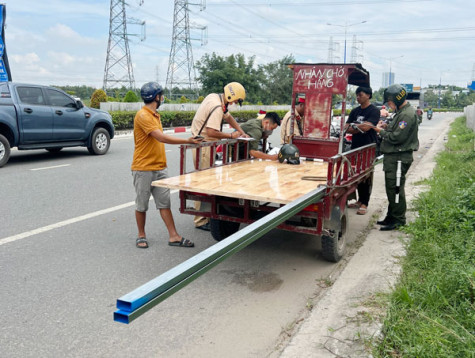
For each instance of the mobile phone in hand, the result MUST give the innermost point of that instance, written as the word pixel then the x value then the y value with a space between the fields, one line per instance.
pixel 198 137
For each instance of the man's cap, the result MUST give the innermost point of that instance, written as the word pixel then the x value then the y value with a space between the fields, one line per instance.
pixel 261 114
pixel 301 100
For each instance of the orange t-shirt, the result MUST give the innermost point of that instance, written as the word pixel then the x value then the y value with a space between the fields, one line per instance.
pixel 149 153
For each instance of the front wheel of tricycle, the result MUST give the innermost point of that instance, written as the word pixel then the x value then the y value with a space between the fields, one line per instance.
pixel 221 229
pixel 334 245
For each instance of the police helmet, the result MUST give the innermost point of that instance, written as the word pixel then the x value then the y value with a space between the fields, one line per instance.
pixel 289 152
pixel 395 93
pixel 234 91
pixel 149 91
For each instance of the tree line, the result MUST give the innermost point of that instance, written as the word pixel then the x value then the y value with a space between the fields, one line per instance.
pixel 268 84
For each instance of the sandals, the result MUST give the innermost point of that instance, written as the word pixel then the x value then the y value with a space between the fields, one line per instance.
pixel 362 211
pixel 141 242
pixel 183 243
pixel 354 205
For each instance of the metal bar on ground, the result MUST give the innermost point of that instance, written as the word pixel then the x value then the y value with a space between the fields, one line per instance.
pixel 142 299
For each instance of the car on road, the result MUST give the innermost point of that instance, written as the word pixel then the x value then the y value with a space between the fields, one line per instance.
pixel 42 117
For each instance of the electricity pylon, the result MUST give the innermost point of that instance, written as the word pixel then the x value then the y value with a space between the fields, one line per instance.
pixel 118 70
pixel 181 70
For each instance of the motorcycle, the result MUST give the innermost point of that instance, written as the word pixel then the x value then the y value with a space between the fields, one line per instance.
pixel 429 115
pixel 335 133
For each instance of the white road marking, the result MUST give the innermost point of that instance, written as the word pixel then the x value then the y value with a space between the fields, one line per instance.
pixel 53 167
pixel 60 224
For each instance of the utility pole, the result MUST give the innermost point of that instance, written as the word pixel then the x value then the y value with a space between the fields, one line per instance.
pixel 118 70
pixel 181 69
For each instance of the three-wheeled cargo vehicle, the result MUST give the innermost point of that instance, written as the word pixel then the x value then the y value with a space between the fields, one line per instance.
pixel 241 191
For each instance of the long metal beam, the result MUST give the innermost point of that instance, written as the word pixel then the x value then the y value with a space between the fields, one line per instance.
pixel 140 300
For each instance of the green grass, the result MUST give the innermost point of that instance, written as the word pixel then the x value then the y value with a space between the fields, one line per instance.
pixel 432 309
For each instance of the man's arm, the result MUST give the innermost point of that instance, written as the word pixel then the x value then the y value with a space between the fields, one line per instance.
pixel 164 138
pixel 261 155
pixel 214 133
pixel 232 122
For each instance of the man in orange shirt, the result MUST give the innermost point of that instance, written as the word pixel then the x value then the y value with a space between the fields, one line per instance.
pixel 150 163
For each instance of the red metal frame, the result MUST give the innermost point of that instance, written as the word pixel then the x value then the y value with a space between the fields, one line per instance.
pixel 317 82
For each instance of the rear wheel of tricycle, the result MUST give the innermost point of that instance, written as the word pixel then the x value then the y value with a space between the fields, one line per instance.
pixel 334 245
pixel 221 229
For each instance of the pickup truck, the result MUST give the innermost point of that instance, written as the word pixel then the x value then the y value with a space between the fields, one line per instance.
pixel 41 117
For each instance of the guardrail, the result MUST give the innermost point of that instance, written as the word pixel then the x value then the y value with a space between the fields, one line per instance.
pixel 142 299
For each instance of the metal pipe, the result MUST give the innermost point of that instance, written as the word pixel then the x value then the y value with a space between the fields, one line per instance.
pixel 140 300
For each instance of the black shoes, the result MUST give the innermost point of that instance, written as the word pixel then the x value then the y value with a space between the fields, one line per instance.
pixel 204 227
pixel 390 226
pixel 385 221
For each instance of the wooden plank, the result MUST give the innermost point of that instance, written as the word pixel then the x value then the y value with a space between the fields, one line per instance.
pixel 254 180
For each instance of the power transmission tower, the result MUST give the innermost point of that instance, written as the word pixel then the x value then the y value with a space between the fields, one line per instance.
pixel 356 48
pixel 181 70
pixel 118 70
pixel 333 48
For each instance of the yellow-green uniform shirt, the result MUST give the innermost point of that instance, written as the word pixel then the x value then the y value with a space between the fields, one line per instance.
pixel 253 127
pixel 149 153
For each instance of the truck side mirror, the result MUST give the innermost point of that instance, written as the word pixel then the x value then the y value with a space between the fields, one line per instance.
pixel 79 104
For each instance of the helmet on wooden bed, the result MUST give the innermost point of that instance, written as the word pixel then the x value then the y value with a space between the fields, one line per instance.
pixel 290 153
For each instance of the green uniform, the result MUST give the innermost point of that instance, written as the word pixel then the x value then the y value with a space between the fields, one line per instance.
pixel 253 128
pixel 399 140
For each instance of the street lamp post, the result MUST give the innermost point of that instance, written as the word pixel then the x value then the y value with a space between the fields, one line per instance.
pixel 346 25
pixel 440 86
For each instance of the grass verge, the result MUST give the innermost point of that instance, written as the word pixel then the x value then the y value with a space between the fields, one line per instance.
pixel 432 309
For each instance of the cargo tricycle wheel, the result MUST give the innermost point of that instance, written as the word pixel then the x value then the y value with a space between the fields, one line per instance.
pixel 334 244
pixel 221 229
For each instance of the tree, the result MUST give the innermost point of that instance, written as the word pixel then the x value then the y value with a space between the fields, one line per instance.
pixel 131 96
pixel 277 81
pixel 431 98
pixel 217 71
pixel 97 97
pixel 448 100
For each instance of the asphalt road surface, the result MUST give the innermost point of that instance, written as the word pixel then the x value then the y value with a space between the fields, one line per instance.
pixel 67 252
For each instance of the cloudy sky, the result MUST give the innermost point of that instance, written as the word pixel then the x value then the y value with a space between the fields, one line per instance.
pixel 423 41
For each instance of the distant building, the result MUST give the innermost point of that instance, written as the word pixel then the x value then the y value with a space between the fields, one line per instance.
pixel 388 78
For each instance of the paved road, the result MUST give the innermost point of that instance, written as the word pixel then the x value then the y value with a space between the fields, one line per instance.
pixel 67 253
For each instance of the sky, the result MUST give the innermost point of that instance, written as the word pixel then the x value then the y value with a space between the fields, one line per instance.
pixel 423 42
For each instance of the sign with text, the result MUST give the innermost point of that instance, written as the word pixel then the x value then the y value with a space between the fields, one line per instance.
pixel 5 74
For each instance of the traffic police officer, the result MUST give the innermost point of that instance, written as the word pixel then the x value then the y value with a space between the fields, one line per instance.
pixel 399 140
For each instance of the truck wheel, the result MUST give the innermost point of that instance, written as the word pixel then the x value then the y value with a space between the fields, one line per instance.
pixel 334 245
pixel 100 142
pixel 221 229
pixel 4 150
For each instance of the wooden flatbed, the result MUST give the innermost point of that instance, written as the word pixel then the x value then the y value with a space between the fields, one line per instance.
pixel 261 180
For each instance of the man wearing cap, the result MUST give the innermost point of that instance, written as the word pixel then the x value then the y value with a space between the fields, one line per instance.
pixel 208 123
pixel 259 128
pixel 361 136
pixel 285 136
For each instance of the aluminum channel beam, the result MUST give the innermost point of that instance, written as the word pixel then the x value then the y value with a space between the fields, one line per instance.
pixel 140 300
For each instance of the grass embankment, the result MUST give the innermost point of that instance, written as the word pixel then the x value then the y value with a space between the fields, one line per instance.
pixel 432 310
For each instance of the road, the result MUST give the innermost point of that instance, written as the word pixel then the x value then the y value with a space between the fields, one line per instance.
pixel 67 252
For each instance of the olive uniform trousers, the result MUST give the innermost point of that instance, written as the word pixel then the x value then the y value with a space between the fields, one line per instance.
pixel 396 211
